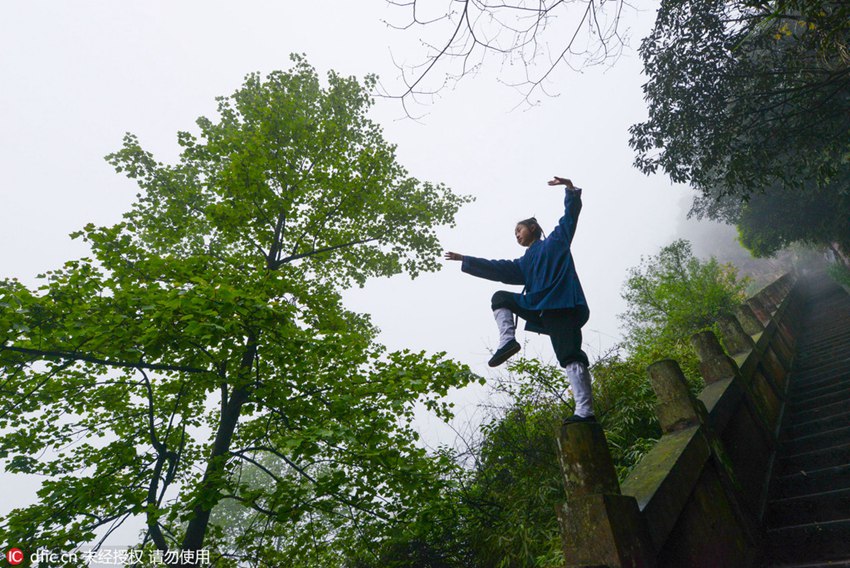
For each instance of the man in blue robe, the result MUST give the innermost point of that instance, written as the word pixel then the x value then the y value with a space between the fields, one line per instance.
pixel 552 303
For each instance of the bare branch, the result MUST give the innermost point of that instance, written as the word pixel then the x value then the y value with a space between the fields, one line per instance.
pixel 514 31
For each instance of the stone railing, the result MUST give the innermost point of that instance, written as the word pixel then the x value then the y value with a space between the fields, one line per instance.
pixel 698 496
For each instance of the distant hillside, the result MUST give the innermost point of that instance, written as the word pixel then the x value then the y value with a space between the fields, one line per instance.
pixel 710 238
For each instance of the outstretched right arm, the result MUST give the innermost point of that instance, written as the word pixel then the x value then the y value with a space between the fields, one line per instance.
pixel 506 271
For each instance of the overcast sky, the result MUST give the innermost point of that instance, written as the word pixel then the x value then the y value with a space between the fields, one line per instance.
pixel 76 76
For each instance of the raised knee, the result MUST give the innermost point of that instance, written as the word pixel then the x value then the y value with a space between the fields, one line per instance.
pixel 500 299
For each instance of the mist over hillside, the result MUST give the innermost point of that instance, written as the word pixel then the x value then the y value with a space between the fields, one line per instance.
pixel 710 238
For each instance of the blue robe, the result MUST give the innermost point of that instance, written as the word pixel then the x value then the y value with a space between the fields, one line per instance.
pixel 546 269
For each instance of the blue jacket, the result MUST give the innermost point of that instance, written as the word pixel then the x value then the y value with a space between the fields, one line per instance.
pixel 546 269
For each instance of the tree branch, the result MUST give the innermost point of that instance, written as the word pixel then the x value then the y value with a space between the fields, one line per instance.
pixel 342 498
pixel 314 252
pixel 74 356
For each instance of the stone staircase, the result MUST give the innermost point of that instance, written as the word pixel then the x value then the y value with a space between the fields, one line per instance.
pixel 720 488
pixel 808 516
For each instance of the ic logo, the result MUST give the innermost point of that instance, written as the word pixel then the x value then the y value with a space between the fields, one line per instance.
pixel 15 556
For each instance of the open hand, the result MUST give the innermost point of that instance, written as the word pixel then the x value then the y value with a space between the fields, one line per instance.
pixel 453 256
pixel 561 181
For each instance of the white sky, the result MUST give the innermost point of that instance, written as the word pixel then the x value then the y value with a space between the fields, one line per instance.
pixel 74 76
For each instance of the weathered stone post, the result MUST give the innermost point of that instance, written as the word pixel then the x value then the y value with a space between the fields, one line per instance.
pixel 759 309
pixel 775 365
pixel 599 525
pixel 747 430
pixel 678 409
pixel 775 294
pixel 762 380
pixel 748 320
pixel 715 365
pixel 735 339
pixel 752 325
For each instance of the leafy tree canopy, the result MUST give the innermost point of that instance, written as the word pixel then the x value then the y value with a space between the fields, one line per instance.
pixel 774 220
pixel 673 295
pixel 749 102
pixel 746 94
pixel 205 334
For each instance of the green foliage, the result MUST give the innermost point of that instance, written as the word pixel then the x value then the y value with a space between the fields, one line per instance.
pixel 670 296
pixel 749 104
pixel 205 336
pixel 776 219
pixel 516 489
pixel 745 94
pixel 515 483
pixel 673 295
pixel 840 274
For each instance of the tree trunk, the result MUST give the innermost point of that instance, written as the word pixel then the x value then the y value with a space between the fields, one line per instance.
pixel 209 492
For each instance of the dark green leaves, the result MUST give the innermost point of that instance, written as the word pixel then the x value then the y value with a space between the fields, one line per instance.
pixel 749 103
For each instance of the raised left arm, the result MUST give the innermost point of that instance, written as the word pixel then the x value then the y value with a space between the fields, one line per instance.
pixel 572 207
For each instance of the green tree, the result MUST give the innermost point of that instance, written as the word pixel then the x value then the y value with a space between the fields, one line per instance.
pixel 669 297
pixel 776 219
pixel 745 94
pixel 515 483
pixel 749 102
pixel 673 295
pixel 206 333
pixel 773 220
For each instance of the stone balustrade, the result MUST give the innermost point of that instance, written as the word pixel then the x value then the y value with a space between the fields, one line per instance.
pixel 698 496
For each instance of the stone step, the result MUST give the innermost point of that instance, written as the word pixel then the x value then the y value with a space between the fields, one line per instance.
pixel 824 369
pixel 817 440
pixel 823 372
pixel 826 312
pixel 814 426
pixel 817 345
pixel 835 369
pixel 807 392
pixel 816 321
pixel 812 481
pixel 807 509
pixel 816 459
pixel 804 391
pixel 827 564
pixel 804 381
pixel 815 328
pixel 825 349
pixel 812 543
pixel 815 336
pixel 798 403
pixel 825 411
